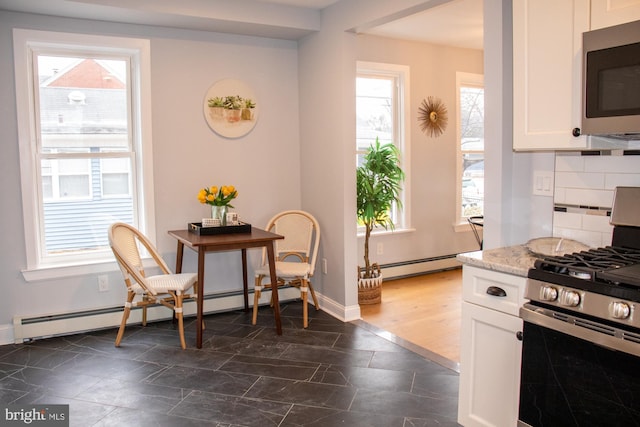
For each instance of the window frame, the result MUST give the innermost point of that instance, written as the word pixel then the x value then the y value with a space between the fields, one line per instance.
pixel 26 43
pixel 401 130
pixel 463 80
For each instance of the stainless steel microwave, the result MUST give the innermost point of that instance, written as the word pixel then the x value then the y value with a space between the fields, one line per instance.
pixel 611 81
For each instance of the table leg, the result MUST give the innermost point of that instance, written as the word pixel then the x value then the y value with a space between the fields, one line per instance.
pixel 179 254
pixel 245 281
pixel 274 286
pixel 200 303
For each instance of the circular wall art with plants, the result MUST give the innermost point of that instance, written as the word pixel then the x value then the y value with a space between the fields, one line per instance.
pixel 230 108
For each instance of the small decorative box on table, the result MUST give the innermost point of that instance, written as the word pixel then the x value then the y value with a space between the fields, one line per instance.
pixel 197 228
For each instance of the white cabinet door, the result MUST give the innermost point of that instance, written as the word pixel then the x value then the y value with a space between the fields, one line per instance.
pixel 490 357
pixel 606 13
pixel 547 73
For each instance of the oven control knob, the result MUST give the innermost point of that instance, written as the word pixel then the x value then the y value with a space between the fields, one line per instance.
pixel 548 293
pixel 569 298
pixel 619 310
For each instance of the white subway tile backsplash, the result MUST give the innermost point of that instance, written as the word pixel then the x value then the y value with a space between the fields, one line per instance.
pixel 620 164
pixel 599 223
pixel 567 220
pixel 613 180
pixel 588 197
pixel 579 180
pixel 559 195
pixel 590 238
pixel 589 181
pixel 569 162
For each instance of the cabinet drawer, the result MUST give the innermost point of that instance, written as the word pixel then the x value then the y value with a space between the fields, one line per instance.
pixel 491 289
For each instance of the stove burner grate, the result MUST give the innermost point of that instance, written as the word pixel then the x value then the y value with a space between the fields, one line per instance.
pixel 586 265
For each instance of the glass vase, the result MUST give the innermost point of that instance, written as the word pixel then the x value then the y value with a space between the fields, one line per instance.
pixel 220 212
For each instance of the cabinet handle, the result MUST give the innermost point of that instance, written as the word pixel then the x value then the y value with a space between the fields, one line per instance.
pixel 496 291
pixel 519 335
pixel 576 132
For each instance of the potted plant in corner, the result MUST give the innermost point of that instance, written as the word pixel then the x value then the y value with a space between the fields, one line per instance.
pixel 379 182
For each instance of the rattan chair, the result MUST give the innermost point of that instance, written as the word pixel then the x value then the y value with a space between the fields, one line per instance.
pixel 165 288
pixel 295 257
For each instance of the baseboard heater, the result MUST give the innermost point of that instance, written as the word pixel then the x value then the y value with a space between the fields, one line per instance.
pixel 27 328
pixel 401 270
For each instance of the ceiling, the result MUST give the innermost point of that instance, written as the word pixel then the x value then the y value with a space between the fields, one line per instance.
pixel 456 23
pixel 453 23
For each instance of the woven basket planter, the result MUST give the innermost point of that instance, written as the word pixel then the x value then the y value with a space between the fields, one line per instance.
pixel 370 290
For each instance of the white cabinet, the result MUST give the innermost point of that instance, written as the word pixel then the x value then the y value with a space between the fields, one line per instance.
pixel 606 13
pixel 490 353
pixel 547 73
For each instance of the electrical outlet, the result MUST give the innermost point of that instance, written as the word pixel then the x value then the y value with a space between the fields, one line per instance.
pixel 380 248
pixel 324 266
pixel 103 283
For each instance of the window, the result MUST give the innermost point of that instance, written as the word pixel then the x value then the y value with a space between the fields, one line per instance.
pixel 382 106
pixel 84 135
pixel 471 145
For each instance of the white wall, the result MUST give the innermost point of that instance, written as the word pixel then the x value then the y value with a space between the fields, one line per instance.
pixel 327 128
pixel 263 165
pixel 512 214
pixel 307 128
pixel 433 160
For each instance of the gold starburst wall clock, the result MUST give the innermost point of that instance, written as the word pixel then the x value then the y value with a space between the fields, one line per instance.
pixel 432 116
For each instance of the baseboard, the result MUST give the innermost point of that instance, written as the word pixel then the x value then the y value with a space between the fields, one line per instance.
pixel 6 334
pixel 45 325
pixel 337 310
pixel 401 270
pixel 26 328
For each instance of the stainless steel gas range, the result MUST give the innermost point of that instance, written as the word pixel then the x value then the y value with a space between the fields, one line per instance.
pixel 581 334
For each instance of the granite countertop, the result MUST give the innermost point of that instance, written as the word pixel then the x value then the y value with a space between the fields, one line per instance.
pixel 511 259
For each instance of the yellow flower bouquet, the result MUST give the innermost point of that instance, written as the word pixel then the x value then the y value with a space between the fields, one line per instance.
pixel 215 196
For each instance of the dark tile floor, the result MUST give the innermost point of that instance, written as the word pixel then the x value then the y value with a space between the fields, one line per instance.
pixel 332 374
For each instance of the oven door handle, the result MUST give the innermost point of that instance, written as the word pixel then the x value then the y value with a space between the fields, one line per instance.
pixel 537 316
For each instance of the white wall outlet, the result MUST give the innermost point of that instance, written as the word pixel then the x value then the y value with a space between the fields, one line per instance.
pixel 324 266
pixel 103 283
pixel 543 183
pixel 380 248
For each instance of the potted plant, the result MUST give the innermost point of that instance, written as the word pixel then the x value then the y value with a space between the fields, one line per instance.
pixel 216 107
pixel 220 200
pixel 249 105
pixel 379 182
pixel 233 108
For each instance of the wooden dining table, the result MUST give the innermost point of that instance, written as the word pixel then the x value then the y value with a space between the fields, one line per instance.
pixel 256 238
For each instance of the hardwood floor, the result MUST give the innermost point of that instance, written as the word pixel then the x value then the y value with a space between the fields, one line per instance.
pixel 424 310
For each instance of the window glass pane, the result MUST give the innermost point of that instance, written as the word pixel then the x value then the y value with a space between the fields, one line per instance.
pixel 379 92
pixel 47 189
pixel 72 166
pixel 114 184
pixel 74 186
pixel 472 116
pixel 83 104
pixel 115 176
pixel 374 110
pixel 472 150
pixel 82 99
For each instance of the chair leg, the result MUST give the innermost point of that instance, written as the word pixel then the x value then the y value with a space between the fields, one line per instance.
pixel 125 316
pixel 256 298
pixel 178 313
pixel 305 306
pixel 144 311
pixel 313 295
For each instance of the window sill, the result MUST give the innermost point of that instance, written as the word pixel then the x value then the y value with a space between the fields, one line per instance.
pixel 61 271
pixel 388 232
